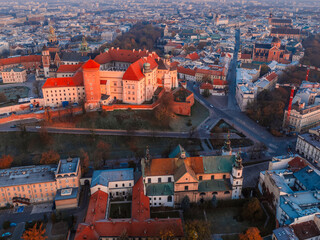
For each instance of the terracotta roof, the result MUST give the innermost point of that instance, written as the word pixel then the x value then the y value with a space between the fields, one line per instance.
pixel 174 64
pixel 109 228
pixel 97 207
pixel 246 56
pixel 140 202
pixel 121 55
pixel 193 56
pixel 75 81
pixel 206 86
pixel 135 70
pixel 186 71
pixel 21 59
pixel 69 68
pixel 91 64
pixel 210 72
pixel 270 77
pixel 296 164
pixel 306 230
pixel 219 82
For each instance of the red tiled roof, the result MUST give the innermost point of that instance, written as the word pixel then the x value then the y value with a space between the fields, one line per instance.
pixel 296 164
pixel 75 81
pixel 186 71
pixel 69 68
pixel 140 225
pixel 91 64
pixel 193 56
pixel 210 72
pixel 174 64
pixel 21 59
pixel 270 77
pixel 206 86
pixel 219 82
pixel 140 202
pixel 121 55
pixel 134 71
pixel 97 207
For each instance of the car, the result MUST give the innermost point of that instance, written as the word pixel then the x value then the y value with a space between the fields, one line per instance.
pixel 38 127
pixel 211 105
pixel 13 224
pixel 13 126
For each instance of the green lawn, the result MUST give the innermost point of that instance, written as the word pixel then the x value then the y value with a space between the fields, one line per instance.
pixel 13 94
pixel 120 210
pixel 27 148
pixel 138 119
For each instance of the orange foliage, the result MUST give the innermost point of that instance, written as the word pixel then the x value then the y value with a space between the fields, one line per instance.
pixel 252 233
pixel 5 161
pixel 50 157
pixel 34 233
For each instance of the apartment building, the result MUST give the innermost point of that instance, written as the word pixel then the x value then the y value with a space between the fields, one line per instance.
pixel 35 184
pixel 14 75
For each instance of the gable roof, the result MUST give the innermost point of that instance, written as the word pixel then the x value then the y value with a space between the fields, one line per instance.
pixel 97 207
pixel 218 164
pixel 160 189
pixel 74 81
pixel 104 177
pixel 67 68
pixel 140 202
pixel 20 60
pixel 193 56
pixel 91 64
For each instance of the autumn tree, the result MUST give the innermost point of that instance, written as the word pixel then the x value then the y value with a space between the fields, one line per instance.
pixel 197 230
pixel 167 234
pixel 35 233
pixel 252 210
pixel 101 153
pixel 5 161
pixel 164 111
pixel 85 161
pixel 50 157
pixel 252 233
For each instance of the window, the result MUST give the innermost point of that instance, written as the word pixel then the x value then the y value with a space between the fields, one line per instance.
pixel 149 180
pixel 226 192
pixel 129 184
pixel 224 176
pixel 238 173
pixel 186 188
pixel 159 180
pixel 116 185
pixel 212 177
pixel 159 198
pixel 200 177
pixel 122 184
pixel 169 179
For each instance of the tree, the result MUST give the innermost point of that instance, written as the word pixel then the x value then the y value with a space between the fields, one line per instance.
pixel 35 233
pixel 5 161
pixel 197 230
pixel 252 233
pixel 185 203
pixel 37 88
pixel 252 210
pixel 50 157
pixel 85 161
pixel 101 154
pixel 206 93
pixel 264 70
pixel 164 111
pixel 3 98
pixel 167 234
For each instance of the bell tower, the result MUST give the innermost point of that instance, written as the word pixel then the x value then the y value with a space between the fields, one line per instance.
pixel 45 61
pixel 226 149
pixel 237 177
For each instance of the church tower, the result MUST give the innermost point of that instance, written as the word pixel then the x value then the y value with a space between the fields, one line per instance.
pixel 84 46
pixel 45 61
pixel 236 177
pixel 226 149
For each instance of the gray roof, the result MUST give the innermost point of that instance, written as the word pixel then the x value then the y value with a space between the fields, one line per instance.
pixel 73 57
pixel 61 196
pixel 27 175
pixel 103 177
pixel 68 165
pixel 284 233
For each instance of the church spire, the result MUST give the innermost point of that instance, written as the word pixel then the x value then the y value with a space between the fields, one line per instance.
pixel 238 163
pixel 226 149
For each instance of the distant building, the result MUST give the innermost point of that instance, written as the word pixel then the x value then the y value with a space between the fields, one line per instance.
pixel 36 184
pixel 291 33
pixel 264 52
pixel 14 75
pixel 279 22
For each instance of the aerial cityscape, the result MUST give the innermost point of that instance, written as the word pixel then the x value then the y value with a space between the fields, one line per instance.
pixel 160 120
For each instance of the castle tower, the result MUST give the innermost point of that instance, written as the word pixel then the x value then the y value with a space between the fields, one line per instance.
pixel 226 149
pixel 236 177
pixel 45 61
pixel 91 82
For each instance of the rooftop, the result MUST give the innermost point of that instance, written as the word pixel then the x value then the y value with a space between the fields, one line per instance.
pixel 66 193
pixel 69 165
pixel 103 177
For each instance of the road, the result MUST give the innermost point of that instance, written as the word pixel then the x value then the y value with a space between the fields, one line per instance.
pixel 233 115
